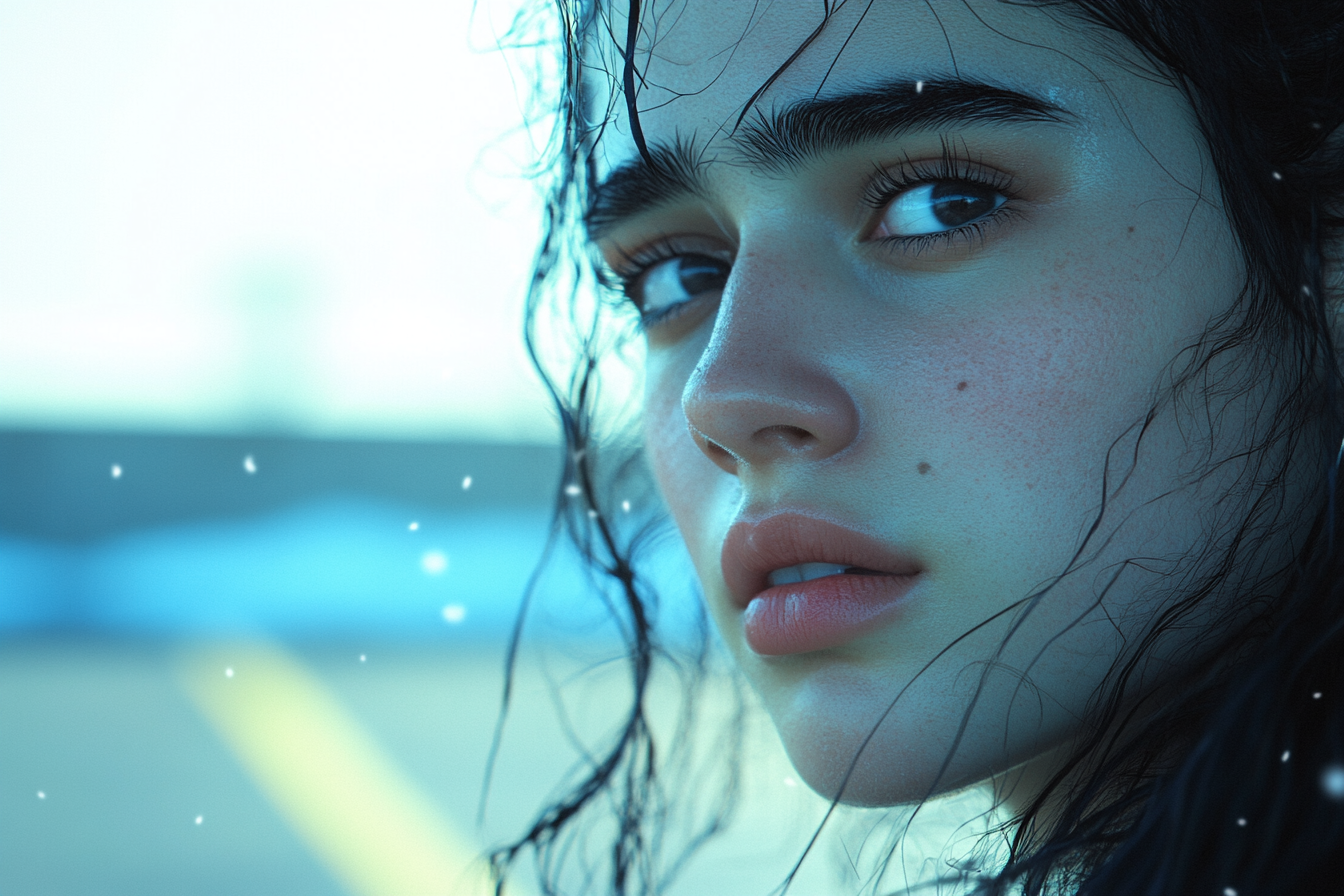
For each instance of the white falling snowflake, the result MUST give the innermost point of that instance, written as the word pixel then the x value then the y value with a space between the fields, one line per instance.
pixel 116 471
pixel 228 673
pixel 454 613
pixel 200 818
pixel 363 658
pixel 625 505
pixel 1332 781
pixel 1284 757
pixel 250 464
pixel 413 526
pixel 434 562
pixel 41 794
pixel 573 490
pixel 1241 822
pixel 466 483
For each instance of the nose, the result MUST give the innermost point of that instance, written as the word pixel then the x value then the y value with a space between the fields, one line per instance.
pixel 766 389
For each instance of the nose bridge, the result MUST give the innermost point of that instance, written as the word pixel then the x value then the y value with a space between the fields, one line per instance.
pixel 765 388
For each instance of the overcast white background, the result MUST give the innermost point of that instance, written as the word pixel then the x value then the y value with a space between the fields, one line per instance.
pixel 282 216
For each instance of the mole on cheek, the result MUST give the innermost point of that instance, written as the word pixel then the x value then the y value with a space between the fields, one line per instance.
pixel 923 468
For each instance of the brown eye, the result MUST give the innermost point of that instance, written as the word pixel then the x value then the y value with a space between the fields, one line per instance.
pixel 936 207
pixel 677 281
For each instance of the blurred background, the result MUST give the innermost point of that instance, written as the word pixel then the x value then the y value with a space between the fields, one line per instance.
pixel 274 469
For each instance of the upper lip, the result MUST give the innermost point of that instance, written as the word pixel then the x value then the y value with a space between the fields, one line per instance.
pixel 754 549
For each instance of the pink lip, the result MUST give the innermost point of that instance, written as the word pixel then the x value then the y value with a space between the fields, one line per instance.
pixel 820 613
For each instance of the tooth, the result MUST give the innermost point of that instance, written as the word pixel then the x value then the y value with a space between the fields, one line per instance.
pixel 804 572
pixel 818 570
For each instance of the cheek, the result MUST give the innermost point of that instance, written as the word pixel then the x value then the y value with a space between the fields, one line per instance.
pixel 1035 391
pixel 1051 383
pixel 666 437
pixel 1017 398
pixel 689 482
pixel 1072 359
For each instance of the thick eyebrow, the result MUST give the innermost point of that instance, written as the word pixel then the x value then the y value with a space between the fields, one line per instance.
pixel 802 132
pixel 669 173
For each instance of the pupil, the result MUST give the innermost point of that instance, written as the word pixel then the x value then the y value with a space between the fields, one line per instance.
pixel 957 204
pixel 700 274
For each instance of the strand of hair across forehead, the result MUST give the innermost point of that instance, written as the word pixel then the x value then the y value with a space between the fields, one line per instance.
pixel 827 12
pixel 628 82
pixel 849 37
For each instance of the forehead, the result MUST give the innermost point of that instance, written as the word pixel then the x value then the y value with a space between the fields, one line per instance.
pixel 699 63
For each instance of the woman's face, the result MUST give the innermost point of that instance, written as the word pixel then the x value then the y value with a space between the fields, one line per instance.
pixel 896 320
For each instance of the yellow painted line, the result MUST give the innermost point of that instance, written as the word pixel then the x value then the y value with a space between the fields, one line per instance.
pixel 342 795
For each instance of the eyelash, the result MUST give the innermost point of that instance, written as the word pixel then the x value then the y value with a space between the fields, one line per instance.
pixel 886 184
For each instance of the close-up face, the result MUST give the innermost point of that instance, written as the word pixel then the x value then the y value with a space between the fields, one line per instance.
pixel 896 318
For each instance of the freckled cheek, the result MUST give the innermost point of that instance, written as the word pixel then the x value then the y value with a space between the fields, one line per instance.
pixel 1032 401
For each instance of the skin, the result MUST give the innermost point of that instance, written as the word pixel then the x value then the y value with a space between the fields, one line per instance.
pixel 957 401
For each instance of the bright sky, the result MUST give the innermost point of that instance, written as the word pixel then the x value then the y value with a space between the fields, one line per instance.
pixel 278 215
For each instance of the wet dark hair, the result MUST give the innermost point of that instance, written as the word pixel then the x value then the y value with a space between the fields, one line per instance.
pixel 1242 804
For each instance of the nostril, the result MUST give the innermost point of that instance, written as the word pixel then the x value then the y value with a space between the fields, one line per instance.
pixel 718 453
pixel 725 459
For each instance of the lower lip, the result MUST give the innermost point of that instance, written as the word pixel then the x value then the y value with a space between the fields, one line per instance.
pixel 804 616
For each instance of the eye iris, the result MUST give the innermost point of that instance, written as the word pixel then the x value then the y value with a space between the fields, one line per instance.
pixel 958 204
pixel 700 274
pixel 675 282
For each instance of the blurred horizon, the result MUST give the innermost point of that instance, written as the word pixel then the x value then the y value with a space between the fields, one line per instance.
pixel 188 535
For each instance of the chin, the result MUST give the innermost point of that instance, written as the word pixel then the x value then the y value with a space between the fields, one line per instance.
pixel 898 765
pixel 884 775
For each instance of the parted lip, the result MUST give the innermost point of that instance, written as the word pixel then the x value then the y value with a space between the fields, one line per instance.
pixel 754 549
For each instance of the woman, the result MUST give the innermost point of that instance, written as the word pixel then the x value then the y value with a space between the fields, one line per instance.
pixel 991 381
